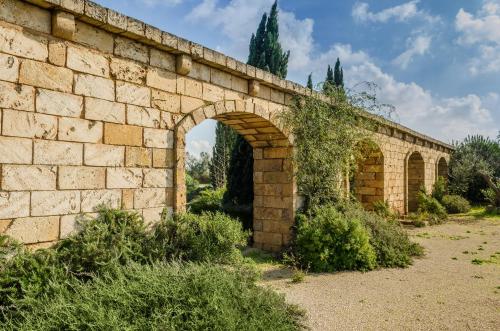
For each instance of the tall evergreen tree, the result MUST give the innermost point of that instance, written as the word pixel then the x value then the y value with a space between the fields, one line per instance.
pixel 276 58
pixel 225 138
pixel 329 81
pixel 310 82
pixel 257 55
pixel 338 74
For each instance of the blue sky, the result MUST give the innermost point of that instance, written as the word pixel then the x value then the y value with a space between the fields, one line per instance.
pixel 437 62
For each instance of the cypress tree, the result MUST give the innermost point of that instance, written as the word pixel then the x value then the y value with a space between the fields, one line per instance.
pixel 225 138
pixel 338 75
pixel 276 58
pixel 310 82
pixel 329 81
pixel 257 55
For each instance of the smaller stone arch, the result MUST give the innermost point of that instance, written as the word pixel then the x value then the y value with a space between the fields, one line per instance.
pixel 442 168
pixel 414 179
pixel 368 184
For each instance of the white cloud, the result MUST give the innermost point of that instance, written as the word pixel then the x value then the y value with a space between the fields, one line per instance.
pixel 416 107
pixel 196 147
pixel 152 3
pixel 482 31
pixel 416 46
pixel 400 13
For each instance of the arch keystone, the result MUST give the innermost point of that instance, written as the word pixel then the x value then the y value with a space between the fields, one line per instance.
pixel 184 64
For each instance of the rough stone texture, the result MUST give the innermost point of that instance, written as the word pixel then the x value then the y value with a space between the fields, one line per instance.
pixel 102 119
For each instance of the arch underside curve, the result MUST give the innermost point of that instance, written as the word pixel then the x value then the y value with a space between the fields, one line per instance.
pixel 274 184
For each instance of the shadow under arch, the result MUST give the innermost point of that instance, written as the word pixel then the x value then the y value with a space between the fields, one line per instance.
pixel 368 184
pixel 442 168
pixel 414 179
pixel 274 183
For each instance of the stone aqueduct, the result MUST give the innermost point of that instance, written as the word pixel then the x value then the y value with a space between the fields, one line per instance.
pixel 94 109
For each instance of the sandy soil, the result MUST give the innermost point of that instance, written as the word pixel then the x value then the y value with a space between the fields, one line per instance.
pixel 442 291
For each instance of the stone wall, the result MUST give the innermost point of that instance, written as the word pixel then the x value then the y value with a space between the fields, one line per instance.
pixel 94 108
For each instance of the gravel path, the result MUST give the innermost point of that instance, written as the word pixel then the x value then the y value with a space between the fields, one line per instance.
pixel 441 291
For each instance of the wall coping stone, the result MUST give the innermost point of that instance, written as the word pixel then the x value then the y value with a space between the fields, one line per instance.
pixel 117 23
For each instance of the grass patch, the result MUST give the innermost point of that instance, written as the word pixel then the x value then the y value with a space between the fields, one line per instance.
pixel 479 212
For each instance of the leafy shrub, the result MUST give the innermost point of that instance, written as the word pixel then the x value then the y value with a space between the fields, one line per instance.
pixel 211 237
pixel 328 241
pixel 439 189
pixel 161 297
pixel 383 209
pixel 208 200
pixel 390 241
pixel 455 204
pixel 428 204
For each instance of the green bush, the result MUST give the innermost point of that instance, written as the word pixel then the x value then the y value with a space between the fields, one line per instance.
pixel 455 204
pixel 428 204
pixel 383 209
pixel 390 241
pixel 439 189
pixel 207 201
pixel 213 237
pixel 328 241
pixel 161 297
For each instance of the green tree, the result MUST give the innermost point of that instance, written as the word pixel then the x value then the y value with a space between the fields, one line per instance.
pixel 225 138
pixel 338 75
pixel 257 55
pixel 330 80
pixel 199 167
pixel 276 58
pixel 310 82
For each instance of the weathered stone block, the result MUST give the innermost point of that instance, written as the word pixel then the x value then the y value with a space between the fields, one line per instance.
pixel 132 50
pixel 146 117
pixel 133 94
pixel 58 103
pixel 138 157
pixel 70 224
pixel 93 86
pixel 184 64
pixel 15 96
pixel 268 165
pixel 87 61
pixel 158 138
pixel 212 93
pixel 46 75
pixel 162 79
pixel 91 200
pixel 158 178
pixel 127 199
pixel 93 37
pixel 48 203
pixel 104 155
pixel 163 158
pixel 31 230
pixel 188 104
pixel 152 215
pixel 16 150
pixel 103 110
pixel 149 198
pixel 162 60
pixel 75 129
pixel 81 178
pixel 9 68
pixel 166 101
pixel 128 70
pixel 29 125
pixel 17 42
pixel 63 25
pixel 116 134
pixel 253 88
pixel 14 204
pixel 57 153
pixel 124 178
pixel 28 177
pixel 26 15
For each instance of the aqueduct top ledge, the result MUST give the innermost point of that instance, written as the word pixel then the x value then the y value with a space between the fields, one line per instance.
pixel 117 23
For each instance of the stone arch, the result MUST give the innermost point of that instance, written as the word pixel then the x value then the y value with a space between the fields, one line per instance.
pixel 274 184
pixel 368 184
pixel 414 179
pixel 442 168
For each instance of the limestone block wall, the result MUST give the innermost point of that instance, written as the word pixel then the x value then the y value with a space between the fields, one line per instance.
pixel 94 108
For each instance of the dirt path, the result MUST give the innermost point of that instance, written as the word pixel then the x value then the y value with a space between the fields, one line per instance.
pixel 442 291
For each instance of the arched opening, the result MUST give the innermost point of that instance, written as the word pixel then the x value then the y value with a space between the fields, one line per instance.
pixel 442 169
pixel 274 186
pixel 368 183
pixel 415 179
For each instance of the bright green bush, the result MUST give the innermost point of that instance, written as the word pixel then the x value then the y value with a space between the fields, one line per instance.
pixel 161 297
pixel 428 204
pixel 455 204
pixel 439 189
pixel 328 241
pixel 383 209
pixel 207 201
pixel 390 241
pixel 213 237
